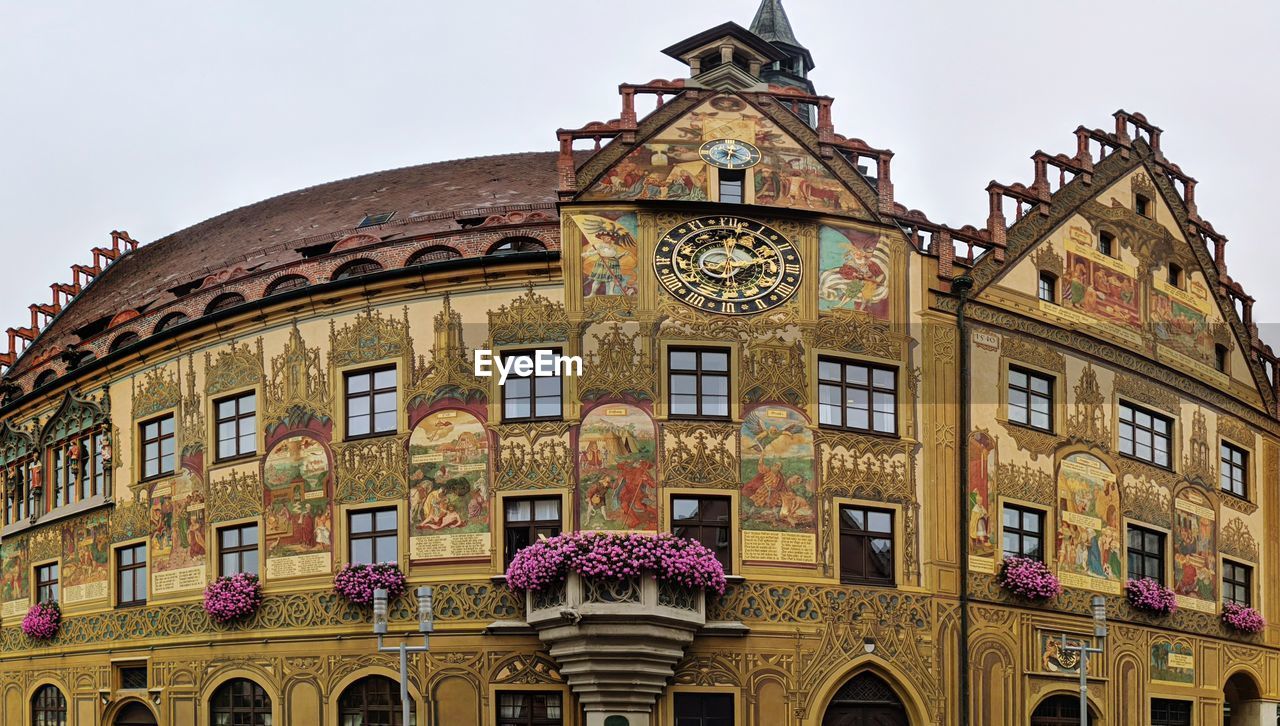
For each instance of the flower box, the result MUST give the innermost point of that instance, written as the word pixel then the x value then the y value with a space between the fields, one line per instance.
pixel 356 583
pixel 1237 617
pixel 1029 579
pixel 230 598
pixel 1150 596
pixel 42 621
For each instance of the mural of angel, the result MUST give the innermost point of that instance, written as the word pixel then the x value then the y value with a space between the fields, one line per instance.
pixel 608 254
pixel 777 468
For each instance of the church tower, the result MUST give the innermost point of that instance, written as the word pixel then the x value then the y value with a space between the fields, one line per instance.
pixel 771 24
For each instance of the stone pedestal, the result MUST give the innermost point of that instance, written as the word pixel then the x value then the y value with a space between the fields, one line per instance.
pixel 616 642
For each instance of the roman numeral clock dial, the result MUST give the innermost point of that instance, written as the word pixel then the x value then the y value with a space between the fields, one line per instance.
pixel 728 265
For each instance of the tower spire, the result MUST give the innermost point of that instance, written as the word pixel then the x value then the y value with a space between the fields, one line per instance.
pixel 772 24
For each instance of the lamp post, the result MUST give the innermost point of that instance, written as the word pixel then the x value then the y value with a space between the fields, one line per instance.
pixel 426 625
pixel 1085 650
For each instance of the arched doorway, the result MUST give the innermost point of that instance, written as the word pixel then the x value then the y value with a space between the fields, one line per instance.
pixel 370 701
pixel 240 702
pixel 135 714
pixel 1239 697
pixel 1059 711
pixel 866 700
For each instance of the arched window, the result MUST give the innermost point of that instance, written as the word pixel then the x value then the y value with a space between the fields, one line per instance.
pixel 865 698
pixel 124 340
pixel 48 707
pixel 354 268
pixel 371 701
pixel 512 245
pixel 434 253
pixel 172 320
pixel 286 283
pixel 224 301
pixel 1058 711
pixel 240 702
pixel 45 378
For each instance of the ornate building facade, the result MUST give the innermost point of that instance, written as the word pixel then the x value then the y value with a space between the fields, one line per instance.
pixel 865 413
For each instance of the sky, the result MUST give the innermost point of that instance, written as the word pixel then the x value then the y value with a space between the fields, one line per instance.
pixel 152 116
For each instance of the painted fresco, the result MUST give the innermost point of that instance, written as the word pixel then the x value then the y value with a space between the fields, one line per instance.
pixel 1099 286
pixel 1179 320
pixel 777 501
pixel 668 166
pixel 86 551
pixel 1172 662
pixel 982 468
pixel 297 486
pixel 617 469
pixel 1053 659
pixel 854 271
pixel 1090 549
pixel 1195 551
pixel 449 487
pixel 15 585
pixel 609 259
pixel 178 546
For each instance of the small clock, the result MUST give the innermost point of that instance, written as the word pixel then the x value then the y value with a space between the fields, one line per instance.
pixel 729 154
pixel 730 265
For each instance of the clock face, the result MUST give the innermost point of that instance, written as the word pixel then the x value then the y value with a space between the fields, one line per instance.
pixel 729 154
pixel 727 265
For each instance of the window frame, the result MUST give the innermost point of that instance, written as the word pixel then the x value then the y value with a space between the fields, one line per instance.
pixel 533 524
pixel 871 389
pixel 702 525
pixel 1143 206
pixel 1167 715
pixel 1228 468
pixel 371 393
pixel 731 177
pixel 700 373
pixel 131 570
pixel 1106 244
pixel 1051 280
pixel 1022 534
pixel 238 551
pixel 374 534
pixel 43 584
pixel 259 701
pixel 1169 437
pixel 46 709
pixel 530 719
pixel 235 419
pixel 1246 584
pixel 1161 558
pixel 159 440
pixel 891 580
pixel 1031 394
pixel 728 718
pixel 533 378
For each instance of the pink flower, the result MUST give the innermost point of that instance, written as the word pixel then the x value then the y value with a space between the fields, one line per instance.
pixel 232 597
pixel 1028 578
pixel 1239 617
pixel 356 583
pixel 42 621
pixel 604 556
pixel 1147 594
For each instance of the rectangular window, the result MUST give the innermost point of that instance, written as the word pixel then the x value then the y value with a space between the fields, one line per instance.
pixel 1142 205
pixel 372 536
pixel 237 426
pixel 531 708
pixel 131 575
pixel 527 519
pixel 1237 581
pixel 1234 471
pixel 698 382
pixel 1106 243
pixel 47 583
pixel 703 709
pixel 238 549
pixel 731 186
pixel 1145 435
pixel 157 447
pixel 707 520
pixel 1023 532
pixel 857 396
pixel 1146 554
pixel 1048 287
pixel 866 546
pixel 1030 398
pixel 532 397
pixel 1169 712
pixel 133 677
pixel 371 403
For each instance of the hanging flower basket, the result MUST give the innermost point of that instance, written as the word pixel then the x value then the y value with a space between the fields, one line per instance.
pixel 356 583
pixel 42 621
pixel 601 556
pixel 1029 579
pixel 230 598
pixel 1150 596
pixel 1237 617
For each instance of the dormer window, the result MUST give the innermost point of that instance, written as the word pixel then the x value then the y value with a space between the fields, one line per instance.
pixel 1142 205
pixel 731 181
pixel 1048 290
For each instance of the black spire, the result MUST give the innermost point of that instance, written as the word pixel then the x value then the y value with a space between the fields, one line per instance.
pixel 771 24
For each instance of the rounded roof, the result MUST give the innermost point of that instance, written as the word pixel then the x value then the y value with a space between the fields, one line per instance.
pixel 425 198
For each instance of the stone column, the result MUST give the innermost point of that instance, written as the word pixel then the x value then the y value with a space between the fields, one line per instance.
pixel 1255 713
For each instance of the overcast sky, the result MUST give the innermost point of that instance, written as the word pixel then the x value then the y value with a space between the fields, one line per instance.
pixel 150 117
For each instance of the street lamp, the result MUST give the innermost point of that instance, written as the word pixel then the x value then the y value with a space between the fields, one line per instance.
pixel 1085 650
pixel 426 625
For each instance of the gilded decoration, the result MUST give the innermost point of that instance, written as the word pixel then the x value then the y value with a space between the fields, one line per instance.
pixel 299 385
pixel 131 518
pixel 1146 392
pixel 74 415
pixel 525 668
pixel 530 318
pixel 370 337
pixel 1237 541
pixel 234 495
pixel 44 544
pixel 1026 482
pixel 1046 259
pixel 773 371
pixel 158 391
pixel 1033 441
pixel 1236 431
pixel 233 368
pixel 1198 461
pixel 1146 501
pixel 700 455
pixel 1243 506
pixel 191 413
pixel 858 333
pixel 533 455
pixel 619 367
pixel 372 470
pixel 1090 420
pixel 451 372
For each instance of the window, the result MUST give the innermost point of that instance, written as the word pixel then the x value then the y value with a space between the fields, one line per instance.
pixel 17 498
pixel 371 403
pixel 731 185
pixel 133 676
pixel 47 583
pixel 533 391
pixel 1106 243
pixel 1142 205
pixel 1144 435
pixel 1234 471
pixel 240 702
pixel 157 447
pixel 1048 290
pixel 512 245
pixel 1030 398
pixel 1146 554
pixel 1237 580
pixel 698 379
pixel 1175 275
pixel 124 340
pixel 435 253
pixel 224 301
pixel 1023 532
pixel 1221 357
pixel 703 709
pixel 707 520
pixel 48 707
pixel 355 268
pixel 373 220
pixel 373 536
pixel 238 549
pixel 866 545
pixel 532 708
pixel 172 320
pixel 1168 712
pixel 77 470
pixel 44 379
pixel 857 396
pixel 526 520
pixel 131 575
pixel 371 701
pixel 287 283
pixel 237 426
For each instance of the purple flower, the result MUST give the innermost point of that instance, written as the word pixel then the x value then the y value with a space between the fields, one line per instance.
pixel 232 597
pixel 605 556
pixel 1028 578
pixel 1238 617
pixel 356 583
pixel 1147 594
pixel 42 621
